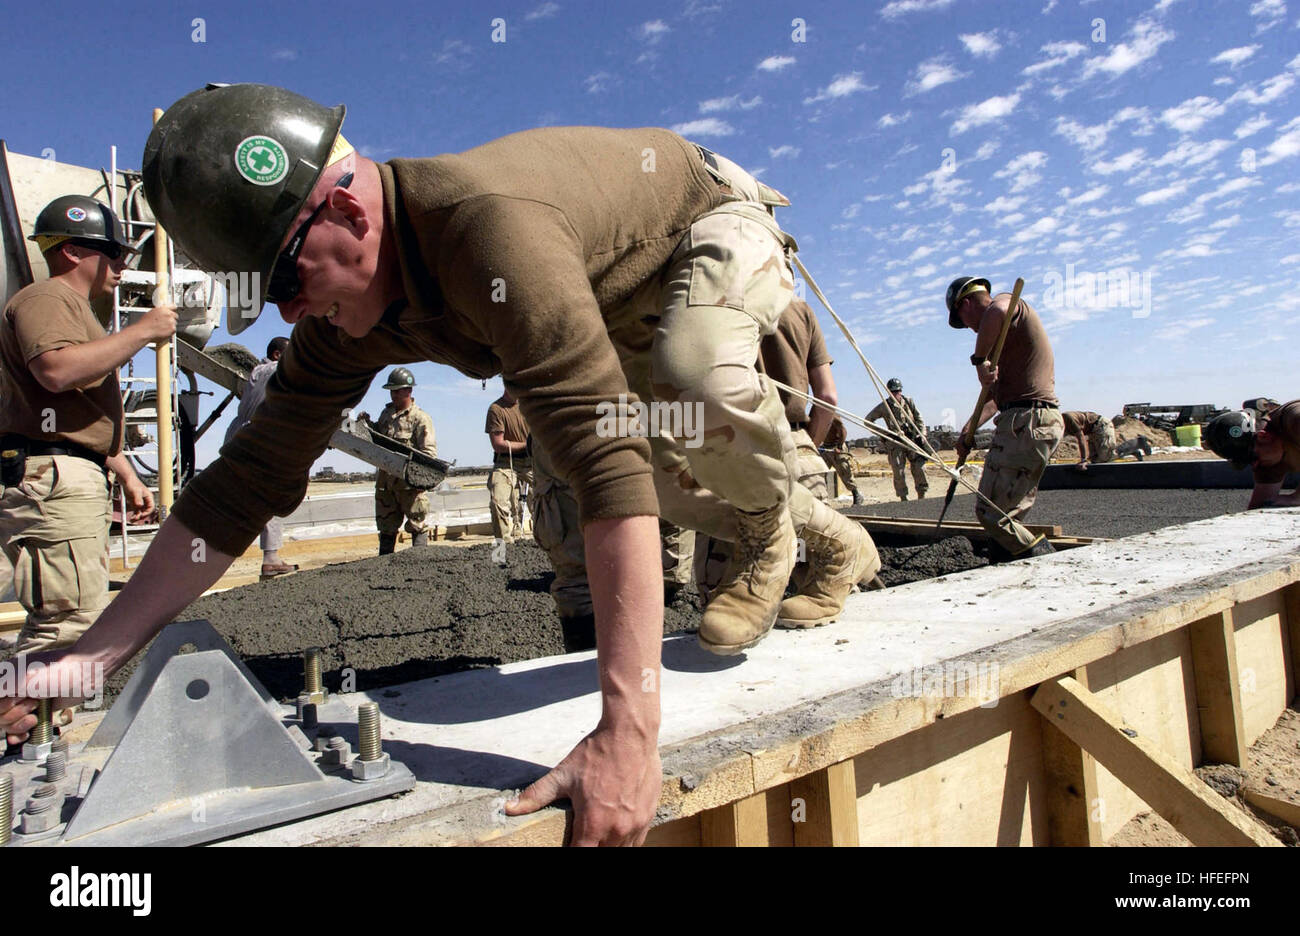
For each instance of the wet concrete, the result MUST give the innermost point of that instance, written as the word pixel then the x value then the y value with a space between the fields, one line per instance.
pixel 903 564
pixel 1108 513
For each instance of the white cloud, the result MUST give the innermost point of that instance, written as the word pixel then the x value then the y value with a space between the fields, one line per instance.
pixel 599 82
pixel 931 74
pixel 1290 259
pixel 987 111
pixel 893 120
pixel 981 44
pixel 1023 170
pixel 1147 38
pixel 775 62
pixel 1123 163
pixel 1189 153
pixel 544 11
pixel 1012 219
pixel 1039 228
pixel 841 86
pixel 918 188
pixel 1268 13
pixel 1058 54
pixel 454 52
pixel 1285 146
pixel 1234 57
pixel 284 55
pixel 1086 138
pixel 1227 188
pixel 653 31
pixel 705 126
pixel 987 149
pixel 1252 126
pixel 1094 193
pixel 1192 114
pixel 714 105
pixel 851 211
pixel 783 150
pixel 1139 115
pixel 1003 204
pixel 1269 91
pixel 1156 196
pixel 1227 222
pixel 897 8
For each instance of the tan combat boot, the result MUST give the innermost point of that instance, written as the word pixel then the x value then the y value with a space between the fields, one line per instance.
pixel 840 554
pixel 745 604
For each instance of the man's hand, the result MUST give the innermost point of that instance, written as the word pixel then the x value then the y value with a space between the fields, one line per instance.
pixel 159 323
pixel 613 782
pixel 46 674
pixel 1083 465
pixel 139 500
pixel 988 374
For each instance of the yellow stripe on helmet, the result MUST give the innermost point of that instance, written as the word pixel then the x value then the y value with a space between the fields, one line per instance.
pixel 47 242
pixel 339 150
pixel 971 287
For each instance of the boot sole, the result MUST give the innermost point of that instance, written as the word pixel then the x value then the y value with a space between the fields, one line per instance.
pixel 733 649
pixel 788 624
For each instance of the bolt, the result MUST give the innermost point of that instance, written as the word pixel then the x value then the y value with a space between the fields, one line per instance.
pixel 337 752
pixel 309 721
pixel 368 729
pixel 44 810
pixel 60 744
pixel 311 672
pixel 56 765
pixel 43 733
pixel 6 809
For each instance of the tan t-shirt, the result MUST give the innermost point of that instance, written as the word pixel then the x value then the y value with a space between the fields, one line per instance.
pixel 1283 422
pixel 1026 370
pixel 507 420
pixel 1080 421
pixel 795 348
pixel 44 317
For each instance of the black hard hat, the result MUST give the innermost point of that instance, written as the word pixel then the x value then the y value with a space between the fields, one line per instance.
pixel 400 377
pixel 895 385
pixel 82 219
pixel 955 292
pixel 1232 436
pixel 227 169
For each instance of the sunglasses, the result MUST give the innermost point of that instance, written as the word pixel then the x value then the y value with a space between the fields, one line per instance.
pixel 284 284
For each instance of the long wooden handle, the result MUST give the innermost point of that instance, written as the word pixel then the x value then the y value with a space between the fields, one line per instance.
pixel 993 359
pixel 163 370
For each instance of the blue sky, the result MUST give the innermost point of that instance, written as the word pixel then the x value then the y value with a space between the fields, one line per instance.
pixel 1154 145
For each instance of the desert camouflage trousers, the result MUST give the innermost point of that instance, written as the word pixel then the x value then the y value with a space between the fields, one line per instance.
pixel 557 530
pixel 1101 442
pixel 1023 443
pixel 899 458
pixel 395 499
pixel 508 519
pixel 54 530
pixel 844 467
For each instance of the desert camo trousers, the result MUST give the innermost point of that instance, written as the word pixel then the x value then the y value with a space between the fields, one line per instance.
pixel 1101 442
pixel 395 499
pixel 503 499
pixel 54 530
pixel 1023 443
pixel 899 458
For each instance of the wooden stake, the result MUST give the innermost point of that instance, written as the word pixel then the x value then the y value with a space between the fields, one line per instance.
pixel 1170 789
pixel 738 825
pixel 163 365
pixel 1072 792
pixel 1218 689
pixel 830 803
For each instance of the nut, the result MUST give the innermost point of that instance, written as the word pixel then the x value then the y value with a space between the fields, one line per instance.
pixel 337 754
pixel 33 753
pixel 322 742
pixel 371 769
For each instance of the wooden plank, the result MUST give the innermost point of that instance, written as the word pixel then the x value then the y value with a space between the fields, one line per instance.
pixel 1073 797
pixel 742 824
pixel 1286 810
pixel 1218 688
pixel 908 524
pixel 1174 792
pixel 824 807
pixel 1291 597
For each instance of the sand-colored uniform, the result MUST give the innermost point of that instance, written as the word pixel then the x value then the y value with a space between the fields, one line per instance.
pixel 394 498
pixel 1028 428
pixel 905 418
pixel 54 522
pixel 272 537
pixel 509 471
pixel 1284 423
pixel 1097 429
pixel 835 453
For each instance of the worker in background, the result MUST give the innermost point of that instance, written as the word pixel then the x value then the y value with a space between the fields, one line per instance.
pixel 1261 407
pixel 529 256
pixel 405 422
pixel 900 415
pixel 61 422
pixel 272 536
pixel 835 452
pixel 1095 436
pixel 1023 396
pixel 1271 449
pixel 511 466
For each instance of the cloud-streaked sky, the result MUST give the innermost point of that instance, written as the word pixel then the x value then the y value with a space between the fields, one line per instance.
pixel 1151 147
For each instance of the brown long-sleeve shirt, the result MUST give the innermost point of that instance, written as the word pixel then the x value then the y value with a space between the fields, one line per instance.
pixel 516 257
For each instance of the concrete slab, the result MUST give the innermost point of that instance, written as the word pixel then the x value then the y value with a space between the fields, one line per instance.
pixel 1191 473
pixel 468 735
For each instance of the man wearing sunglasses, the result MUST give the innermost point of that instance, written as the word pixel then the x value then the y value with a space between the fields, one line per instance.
pixel 584 265
pixel 61 422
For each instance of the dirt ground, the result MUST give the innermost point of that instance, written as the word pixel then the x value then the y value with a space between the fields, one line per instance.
pixel 1272 767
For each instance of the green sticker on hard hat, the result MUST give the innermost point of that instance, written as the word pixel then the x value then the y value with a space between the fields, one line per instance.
pixel 76 214
pixel 261 160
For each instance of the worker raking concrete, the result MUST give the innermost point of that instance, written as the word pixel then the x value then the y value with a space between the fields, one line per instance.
pixel 395 499
pixel 587 266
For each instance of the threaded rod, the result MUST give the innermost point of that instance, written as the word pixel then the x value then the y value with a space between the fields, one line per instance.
pixel 6 808
pixel 368 728
pixel 311 670
pixel 44 730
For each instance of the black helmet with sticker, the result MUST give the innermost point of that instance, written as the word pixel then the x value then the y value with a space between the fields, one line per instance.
pixel 1231 435
pixel 957 290
pixel 895 385
pixel 227 169
pixel 80 219
pixel 399 378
